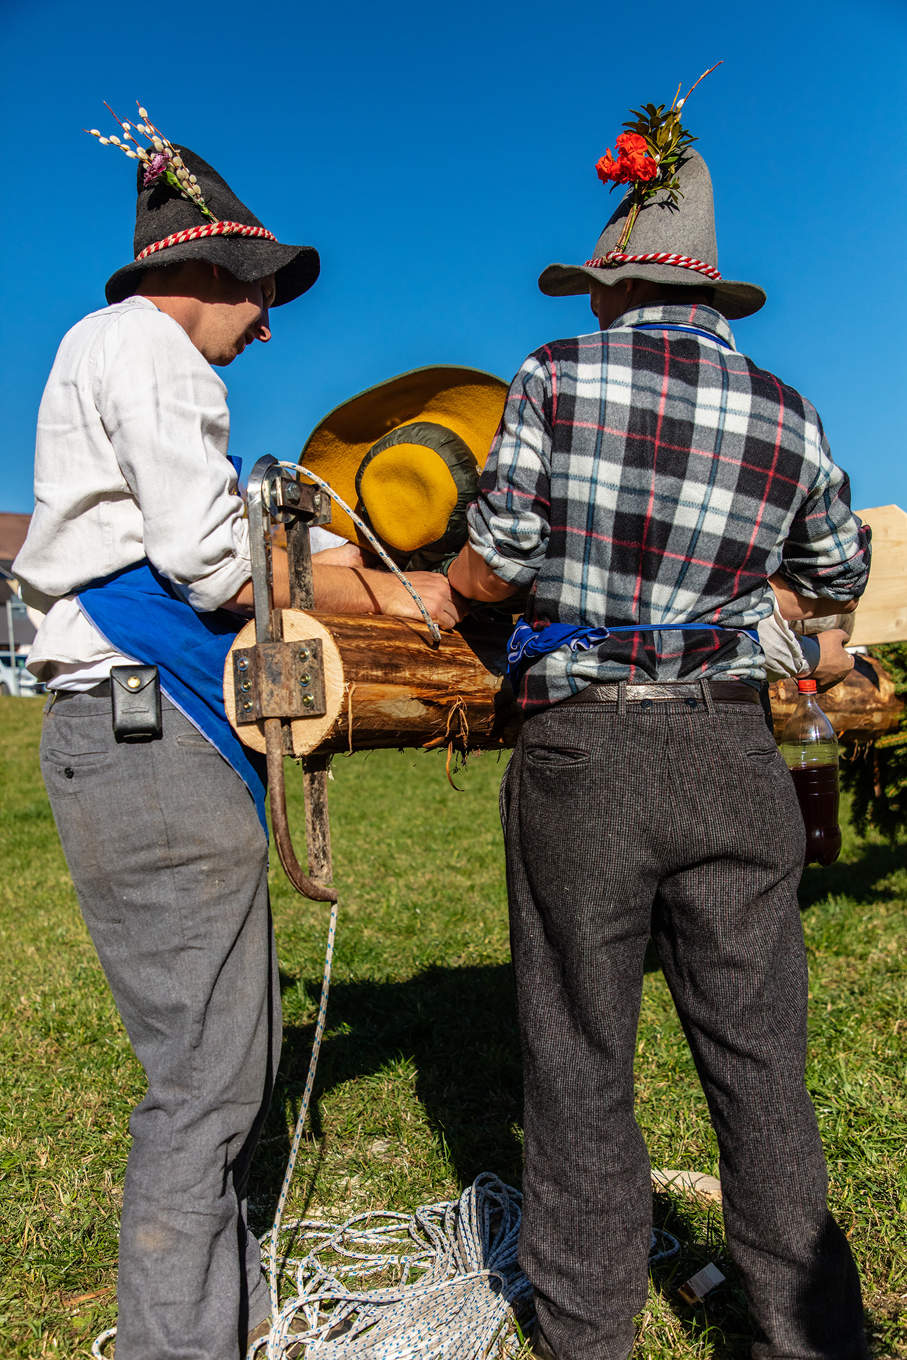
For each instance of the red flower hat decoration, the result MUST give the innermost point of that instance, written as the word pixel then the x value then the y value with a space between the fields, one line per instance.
pixel 647 156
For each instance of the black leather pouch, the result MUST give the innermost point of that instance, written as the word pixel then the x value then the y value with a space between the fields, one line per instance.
pixel 135 697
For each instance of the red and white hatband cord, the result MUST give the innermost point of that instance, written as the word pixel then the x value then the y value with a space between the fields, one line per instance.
pixel 655 257
pixel 180 238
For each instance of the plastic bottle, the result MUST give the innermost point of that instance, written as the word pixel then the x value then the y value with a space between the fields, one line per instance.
pixel 810 749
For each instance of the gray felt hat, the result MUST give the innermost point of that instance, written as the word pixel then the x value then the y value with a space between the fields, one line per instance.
pixel 685 231
pixel 162 213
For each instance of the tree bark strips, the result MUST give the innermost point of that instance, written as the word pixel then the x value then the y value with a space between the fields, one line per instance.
pixel 402 691
pixel 864 705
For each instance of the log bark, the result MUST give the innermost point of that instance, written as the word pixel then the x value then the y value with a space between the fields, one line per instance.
pixel 862 706
pixel 396 689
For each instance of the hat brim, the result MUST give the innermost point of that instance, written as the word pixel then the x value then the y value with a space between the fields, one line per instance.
pixel 295 267
pixel 733 299
pixel 467 401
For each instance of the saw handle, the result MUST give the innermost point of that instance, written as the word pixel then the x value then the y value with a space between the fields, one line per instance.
pixel 317 892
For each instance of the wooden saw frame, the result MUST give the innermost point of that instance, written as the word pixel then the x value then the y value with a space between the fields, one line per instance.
pixel 304 685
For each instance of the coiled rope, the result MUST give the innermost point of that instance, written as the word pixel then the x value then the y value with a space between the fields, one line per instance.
pixel 465 1304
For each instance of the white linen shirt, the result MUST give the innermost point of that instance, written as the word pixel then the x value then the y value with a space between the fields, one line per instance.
pixel 130 462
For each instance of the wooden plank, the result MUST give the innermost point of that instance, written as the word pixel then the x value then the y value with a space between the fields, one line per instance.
pixel 317 820
pixel 882 612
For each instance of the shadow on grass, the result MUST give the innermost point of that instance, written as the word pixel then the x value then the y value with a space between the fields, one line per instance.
pixel 458 1025
pixel 859 878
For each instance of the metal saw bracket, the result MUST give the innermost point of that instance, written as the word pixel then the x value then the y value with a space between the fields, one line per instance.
pixel 277 681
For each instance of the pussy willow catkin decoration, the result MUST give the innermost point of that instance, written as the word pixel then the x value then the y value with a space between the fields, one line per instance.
pixel 161 159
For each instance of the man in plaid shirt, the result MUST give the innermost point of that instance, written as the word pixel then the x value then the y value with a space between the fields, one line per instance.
pixel 650 478
pixel 644 474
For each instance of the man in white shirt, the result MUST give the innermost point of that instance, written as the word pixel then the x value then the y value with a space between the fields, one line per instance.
pixel 138 523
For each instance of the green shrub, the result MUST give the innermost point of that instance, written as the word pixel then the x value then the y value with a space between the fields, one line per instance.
pixel 875 774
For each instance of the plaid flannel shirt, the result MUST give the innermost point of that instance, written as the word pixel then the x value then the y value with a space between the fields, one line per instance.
pixel 655 476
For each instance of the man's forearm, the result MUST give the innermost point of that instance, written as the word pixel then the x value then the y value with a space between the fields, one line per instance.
pixel 361 590
pixel 243 602
pixel 354 590
pixel 472 577
pixel 338 590
pixel 794 607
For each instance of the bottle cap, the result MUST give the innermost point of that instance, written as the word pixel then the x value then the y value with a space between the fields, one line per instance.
pixel 806 686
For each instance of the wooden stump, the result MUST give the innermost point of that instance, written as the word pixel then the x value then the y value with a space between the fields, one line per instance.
pixel 390 687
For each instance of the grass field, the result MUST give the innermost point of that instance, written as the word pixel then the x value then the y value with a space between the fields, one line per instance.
pixel 419 1083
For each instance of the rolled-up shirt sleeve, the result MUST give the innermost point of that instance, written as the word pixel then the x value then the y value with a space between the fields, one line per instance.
pixel 165 413
pixel 508 521
pixel 827 552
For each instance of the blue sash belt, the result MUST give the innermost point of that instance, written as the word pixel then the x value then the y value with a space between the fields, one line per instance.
pixel 139 613
pixel 526 645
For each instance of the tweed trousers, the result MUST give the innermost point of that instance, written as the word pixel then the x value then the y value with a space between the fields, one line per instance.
pixel 677 821
pixel 169 861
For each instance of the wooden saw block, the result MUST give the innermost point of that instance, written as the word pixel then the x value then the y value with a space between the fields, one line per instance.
pixel 881 615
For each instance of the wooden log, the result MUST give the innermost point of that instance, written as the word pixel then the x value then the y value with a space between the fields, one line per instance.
pixel 862 706
pixel 392 688
pixel 386 686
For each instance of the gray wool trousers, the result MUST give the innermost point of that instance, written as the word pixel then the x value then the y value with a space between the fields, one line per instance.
pixel 679 821
pixel 169 861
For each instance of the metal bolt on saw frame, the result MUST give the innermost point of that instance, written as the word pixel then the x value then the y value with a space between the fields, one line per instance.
pixel 278 681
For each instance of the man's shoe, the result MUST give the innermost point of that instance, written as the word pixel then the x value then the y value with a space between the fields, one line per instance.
pixel 261 1330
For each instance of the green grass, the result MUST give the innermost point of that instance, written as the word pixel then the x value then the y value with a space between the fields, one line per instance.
pixel 419 1083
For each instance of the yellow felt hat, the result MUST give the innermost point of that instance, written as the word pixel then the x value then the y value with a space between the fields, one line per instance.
pixel 406 455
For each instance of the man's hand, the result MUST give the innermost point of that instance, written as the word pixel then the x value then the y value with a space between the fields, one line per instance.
pixel 444 604
pixel 835 662
pixel 794 607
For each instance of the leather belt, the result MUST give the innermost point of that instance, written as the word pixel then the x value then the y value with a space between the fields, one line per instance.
pixel 100 691
pixel 721 691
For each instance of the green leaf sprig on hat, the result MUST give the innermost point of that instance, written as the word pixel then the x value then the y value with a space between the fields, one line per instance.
pixel 648 154
pixel 161 159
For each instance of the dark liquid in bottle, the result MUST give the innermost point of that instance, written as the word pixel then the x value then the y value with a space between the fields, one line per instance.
pixel 817 790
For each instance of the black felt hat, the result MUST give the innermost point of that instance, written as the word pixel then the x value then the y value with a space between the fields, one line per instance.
pixel 162 213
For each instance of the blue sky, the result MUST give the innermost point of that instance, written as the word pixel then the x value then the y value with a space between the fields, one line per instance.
pixel 439 157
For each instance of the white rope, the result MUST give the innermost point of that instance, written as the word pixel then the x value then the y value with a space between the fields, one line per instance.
pixel 364 529
pixel 465 1303
pixel 464 1254
pixel 273 1270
